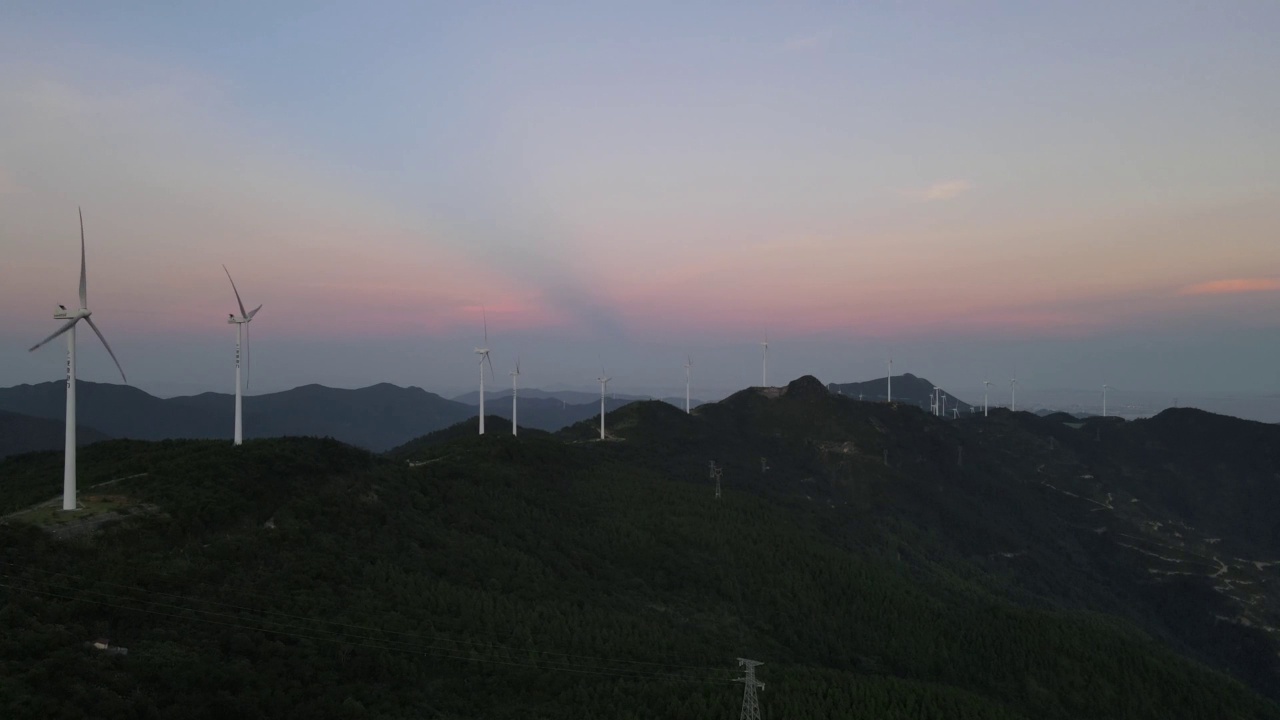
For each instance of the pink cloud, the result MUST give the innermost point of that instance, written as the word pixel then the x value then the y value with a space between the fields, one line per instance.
pixel 949 190
pixel 1232 286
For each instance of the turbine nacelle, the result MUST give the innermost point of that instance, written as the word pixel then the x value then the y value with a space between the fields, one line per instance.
pixel 63 314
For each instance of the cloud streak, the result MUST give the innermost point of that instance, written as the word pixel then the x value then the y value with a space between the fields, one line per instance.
pixel 812 41
pixel 948 190
pixel 1233 286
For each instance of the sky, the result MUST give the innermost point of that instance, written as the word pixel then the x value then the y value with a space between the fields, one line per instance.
pixel 1075 193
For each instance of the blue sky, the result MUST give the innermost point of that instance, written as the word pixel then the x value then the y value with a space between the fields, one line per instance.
pixel 1069 188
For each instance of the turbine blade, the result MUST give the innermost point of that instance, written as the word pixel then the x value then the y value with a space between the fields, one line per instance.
pixel 84 294
pixel 253 312
pixel 490 362
pixel 108 347
pixel 484 315
pixel 237 292
pixel 61 330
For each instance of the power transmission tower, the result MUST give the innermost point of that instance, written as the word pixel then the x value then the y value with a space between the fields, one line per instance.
pixel 715 475
pixel 750 704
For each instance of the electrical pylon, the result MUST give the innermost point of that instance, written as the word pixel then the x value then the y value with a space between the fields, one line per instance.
pixel 750 704
pixel 715 475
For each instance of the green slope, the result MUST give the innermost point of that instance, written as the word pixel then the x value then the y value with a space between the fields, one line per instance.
pixel 532 577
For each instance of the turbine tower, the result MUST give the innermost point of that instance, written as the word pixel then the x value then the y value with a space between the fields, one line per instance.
pixel 889 377
pixel 241 338
pixel 688 365
pixel 750 703
pixel 1105 388
pixel 986 386
pixel 69 454
pixel 933 401
pixel 764 382
pixel 483 352
pixel 1013 394
pixel 604 381
pixel 515 390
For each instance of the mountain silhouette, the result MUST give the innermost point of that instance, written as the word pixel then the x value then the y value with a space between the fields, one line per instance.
pixel 907 388
pixel 873 555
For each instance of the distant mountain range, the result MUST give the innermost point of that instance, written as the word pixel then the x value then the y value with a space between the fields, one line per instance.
pixel 379 417
pixel 575 397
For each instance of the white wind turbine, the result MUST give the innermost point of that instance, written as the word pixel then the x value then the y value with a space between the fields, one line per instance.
pixel 604 382
pixel 515 390
pixel 764 382
pixel 1013 394
pixel 688 366
pixel 986 386
pixel 69 455
pixel 483 352
pixel 1105 388
pixel 933 401
pixel 241 337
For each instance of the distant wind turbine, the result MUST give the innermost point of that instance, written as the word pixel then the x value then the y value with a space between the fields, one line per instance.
pixel 765 369
pixel 933 401
pixel 604 382
pixel 69 454
pixel 688 366
pixel 515 391
pixel 1105 388
pixel 986 385
pixel 483 352
pixel 1013 394
pixel 241 337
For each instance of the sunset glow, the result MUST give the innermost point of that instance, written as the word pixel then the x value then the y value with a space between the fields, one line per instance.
pixel 823 173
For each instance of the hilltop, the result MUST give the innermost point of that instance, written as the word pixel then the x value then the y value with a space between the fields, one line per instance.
pixel 907 389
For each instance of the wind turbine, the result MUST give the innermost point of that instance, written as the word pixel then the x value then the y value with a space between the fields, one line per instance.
pixel 933 401
pixel 1105 388
pixel 515 390
pixel 483 352
pixel 688 365
pixel 986 385
pixel 765 372
pixel 69 455
pixel 604 381
pixel 241 337
pixel 1013 394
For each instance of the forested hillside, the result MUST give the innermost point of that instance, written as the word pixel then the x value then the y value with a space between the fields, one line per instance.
pixel 562 577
